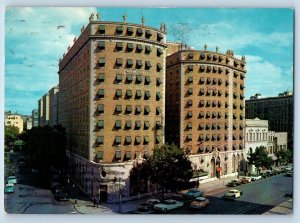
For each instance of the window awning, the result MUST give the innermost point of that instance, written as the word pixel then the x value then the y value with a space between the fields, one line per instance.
pixel 147 109
pixel 207 126
pixel 148 64
pixel 189 137
pixel 119 61
pixel 147 94
pixel 128 124
pixel 146 138
pixel 118 154
pixel 159 51
pixel 101 92
pixel 158 81
pixel 201 114
pixel 138 94
pixel 214 114
pixel 101 44
pixel 158 125
pixel 138 78
pixel 138 139
pixel 189 125
pixel 158 95
pixel 101 28
pixel 129 93
pixel 208 137
pixel 128 108
pixel 208 68
pixel 190 114
pixel 201 137
pixel 202 56
pixel 148 33
pixel 139 47
pixel 129 30
pixel 202 91
pixel 202 68
pixel 119 108
pixel 158 139
pixel 147 124
pixel 119 45
pixel 128 155
pixel 100 108
pixel 190 67
pixel 148 49
pixel 208 103
pixel 129 62
pixel 190 79
pixel 118 139
pixel 118 124
pixel 100 123
pixel 99 155
pixel 119 92
pixel 220 69
pixel 215 69
pixel 158 111
pixel 101 61
pixel 101 77
pixel 147 80
pixel 190 103
pixel 119 77
pixel 234 147
pixel 138 109
pixel 202 126
pixel 138 124
pixel 191 55
pixel 159 36
pixel 159 67
pixel 190 90
pixel 139 31
pixel 128 139
pixel 130 46
pixel 119 29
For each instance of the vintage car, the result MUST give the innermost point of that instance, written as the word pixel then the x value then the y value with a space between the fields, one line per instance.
pixel 194 193
pixel 12 180
pixel 255 178
pixel 149 204
pixel 245 180
pixel 233 194
pixel 167 205
pixel 9 188
pixel 199 203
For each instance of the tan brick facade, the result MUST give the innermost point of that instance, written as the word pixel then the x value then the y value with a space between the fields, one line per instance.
pixel 205 103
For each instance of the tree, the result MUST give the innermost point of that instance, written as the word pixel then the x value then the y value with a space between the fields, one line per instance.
pixel 284 156
pixel 169 165
pixel 260 158
pixel 11 134
pixel 139 176
pixel 46 146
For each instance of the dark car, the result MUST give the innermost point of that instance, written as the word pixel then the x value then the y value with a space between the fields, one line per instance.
pixel 61 196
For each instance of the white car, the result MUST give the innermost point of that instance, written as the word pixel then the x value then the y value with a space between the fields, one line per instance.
pixel 233 194
pixel 12 180
pixel 167 205
pixel 255 178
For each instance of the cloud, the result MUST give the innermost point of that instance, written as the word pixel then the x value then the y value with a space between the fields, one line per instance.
pixel 266 78
pixel 35 45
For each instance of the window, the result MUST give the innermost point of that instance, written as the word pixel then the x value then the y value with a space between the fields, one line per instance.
pixel 158 81
pixel 190 91
pixel 159 36
pixel 147 65
pixel 128 94
pixel 101 45
pixel 157 139
pixel 129 47
pixel 146 140
pixel 139 48
pixel 119 46
pixel 119 93
pixel 128 78
pixel 128 109
pixel 158 125
pixel 190 103
pixel 147 95
pixel 128 124
pixel 138 79
pixel 119 109
pixel 189 126
pixel 138 140
pixel 129 31
pixel 139 32
pixel 101 77
pixel 189 137
pixel 119 62
pixel 190 67
pixel 138 109
pixel 118 155
pixel 190 80
pixel 101 29
pixel 190 55
pixel 202 56
pixel 148 34
pixel 139 64
pixel 158 67
pixel 138 124
pixel 100 124
pixel 99 155
pixel 100 109
pixel 119 78
pixel 147 80
pixel 158 111
pixel 101 93
pixel 148 49
pixel 138 94
pixel 190 114
pixel 118 124
pixel 146 125
pixel 100 140
pixel 129 63
pixel 119 30
pixel 147 110
pixel 118 140
pixel 101 62
pixel 159 52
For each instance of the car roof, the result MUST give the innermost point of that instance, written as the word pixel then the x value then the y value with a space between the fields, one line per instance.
pixel 233 190
pixel 11 177
pixel 9 185
pixel 200 198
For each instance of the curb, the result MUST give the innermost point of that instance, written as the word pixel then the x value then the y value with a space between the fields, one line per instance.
pixel 75 207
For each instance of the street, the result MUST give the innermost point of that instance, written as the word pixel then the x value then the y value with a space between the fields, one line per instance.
pixel 30 197
pixel 258 197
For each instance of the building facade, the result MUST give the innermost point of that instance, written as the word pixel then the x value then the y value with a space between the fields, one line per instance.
pixel 111 102
pixel 279 111
pixel 43 110
pixel 35 118
pixel 205 108
pixel 27 122
pixel 53 106
pixel 257 134
pixel 14 120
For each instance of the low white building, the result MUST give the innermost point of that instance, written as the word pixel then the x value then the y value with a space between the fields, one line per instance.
pixel 257 134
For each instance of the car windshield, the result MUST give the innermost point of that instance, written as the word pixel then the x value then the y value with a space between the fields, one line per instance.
pixel 200 199
pixel 232 191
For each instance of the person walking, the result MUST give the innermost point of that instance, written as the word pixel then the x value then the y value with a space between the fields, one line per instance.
pixel 94 200
pixel 97 201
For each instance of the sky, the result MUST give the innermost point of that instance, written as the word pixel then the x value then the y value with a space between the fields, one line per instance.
pixel 35 39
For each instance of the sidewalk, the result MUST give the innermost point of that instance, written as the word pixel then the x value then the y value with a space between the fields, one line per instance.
pixel 85 206
pixel 284 208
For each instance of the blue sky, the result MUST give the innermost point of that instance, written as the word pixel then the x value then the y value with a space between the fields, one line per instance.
pixel 34 42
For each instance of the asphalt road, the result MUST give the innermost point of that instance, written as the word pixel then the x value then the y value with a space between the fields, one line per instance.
pixel 258 197
pixel 31 198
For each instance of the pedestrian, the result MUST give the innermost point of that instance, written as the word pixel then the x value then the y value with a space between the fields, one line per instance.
pixel 97 201
pixel 94 200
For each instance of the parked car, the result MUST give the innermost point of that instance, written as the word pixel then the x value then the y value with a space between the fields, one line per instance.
pixel 61 196
pixel 199 203
pixel 9 188
pixel 255 178
pixel 233 194
pixel 245 180
pixel 167 205
pixel 194 193
pixel 144 210
pixel 289 174
pixel 12 180
pixel 148 204
pixel 233 183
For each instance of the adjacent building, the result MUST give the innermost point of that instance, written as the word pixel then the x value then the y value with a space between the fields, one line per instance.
pixel 43 110
pixel 279 111
pixel 205 108
pixel 35 118
pixel 14 120
pixel 258 133
pixel 27 122
pixel 53 106
pixel 111 102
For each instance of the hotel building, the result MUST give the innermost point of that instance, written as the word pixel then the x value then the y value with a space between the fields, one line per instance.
pixel 205 108
pixel 111 102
